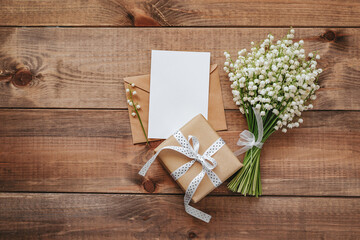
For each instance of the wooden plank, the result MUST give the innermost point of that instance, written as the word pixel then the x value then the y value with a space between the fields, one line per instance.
pixel 179 13
pixel 110 216
pixel 91 151
pixel 83 68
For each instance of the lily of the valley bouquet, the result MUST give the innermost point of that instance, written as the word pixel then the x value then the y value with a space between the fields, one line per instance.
pixel 271 85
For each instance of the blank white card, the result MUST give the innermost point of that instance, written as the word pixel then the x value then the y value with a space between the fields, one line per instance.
pixel 179 90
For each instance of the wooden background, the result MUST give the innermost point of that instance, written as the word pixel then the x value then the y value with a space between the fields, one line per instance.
pixel 68 169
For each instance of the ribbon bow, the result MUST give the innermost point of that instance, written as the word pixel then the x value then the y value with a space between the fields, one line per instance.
pixel 208 164
pixel 247 138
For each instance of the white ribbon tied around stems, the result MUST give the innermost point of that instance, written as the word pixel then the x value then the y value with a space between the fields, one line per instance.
pixel 208 164
pixel 247 138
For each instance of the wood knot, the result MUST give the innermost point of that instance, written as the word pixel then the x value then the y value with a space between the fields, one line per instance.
pixel 329 35
pixel 141 19
pixel 22 78
pixel 149 186
pixel 191 235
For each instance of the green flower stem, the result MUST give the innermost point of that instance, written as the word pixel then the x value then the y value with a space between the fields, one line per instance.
pixel 138 115
pixel 142 126
pixel 248 180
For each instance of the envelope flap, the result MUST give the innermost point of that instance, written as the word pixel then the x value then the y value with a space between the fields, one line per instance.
pixel 216 114
pixel 213 67
pixel 142 81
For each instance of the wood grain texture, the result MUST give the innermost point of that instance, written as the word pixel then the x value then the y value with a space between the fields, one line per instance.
pixel 91 151
pixel 71 173
pixel 179 13
pixel 110 216
pixel 84 68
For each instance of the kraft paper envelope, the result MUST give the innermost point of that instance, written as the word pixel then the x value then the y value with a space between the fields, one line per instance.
pixel 216 113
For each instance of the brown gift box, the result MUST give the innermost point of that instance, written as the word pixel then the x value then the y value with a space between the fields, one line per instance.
pixel 227 162
pixel 216 113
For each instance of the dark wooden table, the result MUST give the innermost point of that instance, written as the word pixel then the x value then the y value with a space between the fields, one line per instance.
pixel 68 168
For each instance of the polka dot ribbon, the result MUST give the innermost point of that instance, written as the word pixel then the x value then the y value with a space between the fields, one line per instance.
pixel 208 164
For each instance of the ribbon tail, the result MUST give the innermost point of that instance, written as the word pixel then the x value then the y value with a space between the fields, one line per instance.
pixel 242 150
pixel 147 165
pixel 188 195
pixel 260 127
pixel 198 214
